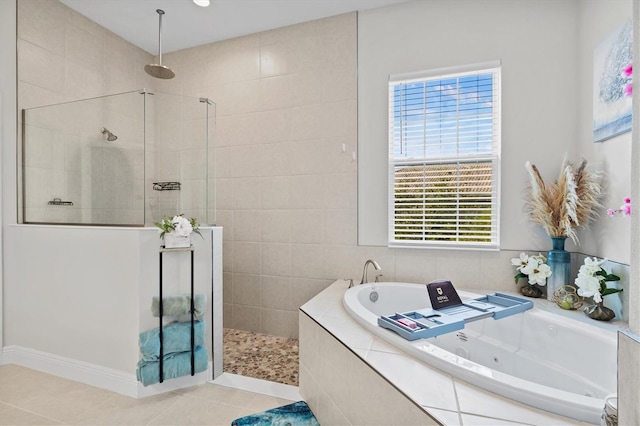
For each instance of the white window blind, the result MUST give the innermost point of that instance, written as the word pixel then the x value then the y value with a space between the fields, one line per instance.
pixel 444 159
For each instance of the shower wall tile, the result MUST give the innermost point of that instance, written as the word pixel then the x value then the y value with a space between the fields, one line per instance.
pixel 247 193
pixel 246 257
pixel 307 226
pixel 246 318
pixel 275 226
pixel 82 82
pixel 85 48
pixel 276 159
pixel 307 261
pixel 32 96
pixel 276 192
pixel 246 225
pixel 275 259
pixel 304 289
pixel 279 322
pixel 246 289
pixel 341 227
pixel 40 67
pixel 275 292
pixel 39 23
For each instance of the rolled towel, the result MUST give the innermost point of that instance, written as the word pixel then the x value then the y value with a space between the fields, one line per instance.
pixel 176 337
pixel 180 304
pixel 175 365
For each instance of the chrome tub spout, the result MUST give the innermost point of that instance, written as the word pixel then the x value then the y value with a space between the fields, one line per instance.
pixel 376 267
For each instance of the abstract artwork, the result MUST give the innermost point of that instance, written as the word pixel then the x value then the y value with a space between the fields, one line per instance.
pixel 611 85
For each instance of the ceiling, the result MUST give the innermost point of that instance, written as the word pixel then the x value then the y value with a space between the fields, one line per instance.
pixel 186 25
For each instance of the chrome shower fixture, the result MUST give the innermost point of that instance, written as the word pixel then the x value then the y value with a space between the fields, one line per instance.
pixel 110 136
pixel 158 70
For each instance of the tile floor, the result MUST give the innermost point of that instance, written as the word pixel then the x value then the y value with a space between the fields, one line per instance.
pixel 261 356
pixel 29 397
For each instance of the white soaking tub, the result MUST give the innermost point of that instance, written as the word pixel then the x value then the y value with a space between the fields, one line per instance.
pixel 537 357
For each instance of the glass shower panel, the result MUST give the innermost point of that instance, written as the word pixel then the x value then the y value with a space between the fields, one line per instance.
pixel 83 162
pixel 178 145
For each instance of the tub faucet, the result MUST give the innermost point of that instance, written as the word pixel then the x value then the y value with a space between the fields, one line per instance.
pixel 364 272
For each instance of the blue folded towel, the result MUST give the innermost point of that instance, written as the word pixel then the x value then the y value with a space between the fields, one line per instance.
pixel 298 414
pixel 176 337
pixel 175 365
pixel 180 304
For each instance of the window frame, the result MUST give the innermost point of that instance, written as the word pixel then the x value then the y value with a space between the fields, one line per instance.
pixel 493 68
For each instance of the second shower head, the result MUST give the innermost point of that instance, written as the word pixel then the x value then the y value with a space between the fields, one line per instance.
pixel 110 136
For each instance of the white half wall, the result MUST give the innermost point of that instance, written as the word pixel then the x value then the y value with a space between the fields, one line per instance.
pixel 76 299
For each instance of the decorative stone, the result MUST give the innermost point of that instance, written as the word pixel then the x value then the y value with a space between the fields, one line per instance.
pixel 531 291
pixel 599 312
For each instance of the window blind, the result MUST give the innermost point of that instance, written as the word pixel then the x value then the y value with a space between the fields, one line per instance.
pixel 444 152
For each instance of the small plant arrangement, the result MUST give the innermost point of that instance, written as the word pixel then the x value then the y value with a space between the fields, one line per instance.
pixel 566 204
pixel 624 210
pixel 535 269
pixel 178 226
pixel 592 282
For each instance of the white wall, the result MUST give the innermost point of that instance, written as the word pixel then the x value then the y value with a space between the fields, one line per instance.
pixel 8 129
pixel 83 294
pixel 606 237
pixel 536 42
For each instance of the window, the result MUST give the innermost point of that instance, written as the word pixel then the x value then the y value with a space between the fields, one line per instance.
pixel 444 158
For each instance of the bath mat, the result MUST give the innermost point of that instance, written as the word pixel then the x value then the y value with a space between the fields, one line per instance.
pixel 296 414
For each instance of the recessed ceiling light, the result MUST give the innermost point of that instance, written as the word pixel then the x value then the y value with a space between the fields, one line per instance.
pixel 202 3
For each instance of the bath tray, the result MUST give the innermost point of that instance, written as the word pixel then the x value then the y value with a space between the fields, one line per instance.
pixel 425 323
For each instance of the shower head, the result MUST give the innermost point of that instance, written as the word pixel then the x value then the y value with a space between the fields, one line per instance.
pixel 158 70
pixel 110 136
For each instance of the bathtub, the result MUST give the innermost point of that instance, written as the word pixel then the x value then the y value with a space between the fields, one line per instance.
pixel 540 358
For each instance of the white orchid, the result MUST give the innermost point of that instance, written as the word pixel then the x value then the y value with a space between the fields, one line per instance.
pixel 521 261
pixel 592 278
pixel 588 286
pixel 537 271
pixel 532 267
pixel 591 265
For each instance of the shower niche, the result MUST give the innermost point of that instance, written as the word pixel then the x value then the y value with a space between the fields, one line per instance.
pixel 119 160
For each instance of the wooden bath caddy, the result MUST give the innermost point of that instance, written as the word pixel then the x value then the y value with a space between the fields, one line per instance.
pixel 451 313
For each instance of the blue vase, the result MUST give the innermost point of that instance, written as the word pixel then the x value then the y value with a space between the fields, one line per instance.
pixel 559 260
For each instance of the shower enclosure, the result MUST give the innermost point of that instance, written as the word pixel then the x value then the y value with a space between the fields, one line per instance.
pixel 121 160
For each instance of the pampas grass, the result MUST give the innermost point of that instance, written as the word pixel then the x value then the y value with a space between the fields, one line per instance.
pixel 568 203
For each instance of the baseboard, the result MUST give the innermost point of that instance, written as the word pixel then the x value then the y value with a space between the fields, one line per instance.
pixel 95 375
pixel 265 387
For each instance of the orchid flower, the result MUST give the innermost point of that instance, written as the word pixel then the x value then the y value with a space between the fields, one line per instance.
pixel 624 210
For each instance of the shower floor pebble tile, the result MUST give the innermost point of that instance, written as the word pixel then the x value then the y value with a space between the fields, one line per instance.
pixel 261 356
pixel 29 397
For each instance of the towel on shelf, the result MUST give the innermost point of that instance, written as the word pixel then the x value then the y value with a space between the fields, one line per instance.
pixel 174 365
pixel 176 337
pixel 180 304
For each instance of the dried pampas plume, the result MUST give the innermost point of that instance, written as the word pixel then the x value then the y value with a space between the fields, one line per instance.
pixel 570 202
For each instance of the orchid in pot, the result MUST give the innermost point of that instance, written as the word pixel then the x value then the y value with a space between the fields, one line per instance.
pixel 176 231
pixel 535 269
pixel 592 282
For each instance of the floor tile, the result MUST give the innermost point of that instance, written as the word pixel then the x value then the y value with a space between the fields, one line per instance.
pixel 15 416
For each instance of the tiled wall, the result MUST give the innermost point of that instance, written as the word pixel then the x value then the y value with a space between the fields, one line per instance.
pixel 284 137
pixel 365 397
pixel 285 174
pixel 62 57
pixel 286 180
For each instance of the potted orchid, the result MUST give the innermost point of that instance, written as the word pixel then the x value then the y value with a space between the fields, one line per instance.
pixel 176 231
pixel 535 269
pixel 592 282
